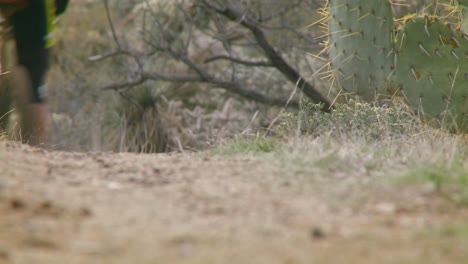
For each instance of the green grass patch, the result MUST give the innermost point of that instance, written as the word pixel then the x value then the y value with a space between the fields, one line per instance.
pixel 454 233
pixel 450 181
pixel 460 230
pixel 248 145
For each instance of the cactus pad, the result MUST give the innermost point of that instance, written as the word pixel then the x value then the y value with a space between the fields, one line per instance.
pixel 360 41
pixel 431 63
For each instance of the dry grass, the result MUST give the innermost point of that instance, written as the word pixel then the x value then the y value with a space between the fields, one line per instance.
pixel 358 144
pixel 330 198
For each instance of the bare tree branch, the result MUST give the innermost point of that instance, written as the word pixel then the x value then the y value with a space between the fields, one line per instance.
pixel 163 40
pixel 239 61
pixel 109 19
pixel 270 52
pixel 122 85
pixel 232 87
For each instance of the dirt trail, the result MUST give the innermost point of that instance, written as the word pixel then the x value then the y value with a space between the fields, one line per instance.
pixel 58 208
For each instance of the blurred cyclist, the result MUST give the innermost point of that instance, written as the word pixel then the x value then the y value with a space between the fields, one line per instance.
pixel 33 23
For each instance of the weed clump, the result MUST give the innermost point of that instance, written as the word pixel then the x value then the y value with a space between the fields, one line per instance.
pixel 353 119
pixel 249 145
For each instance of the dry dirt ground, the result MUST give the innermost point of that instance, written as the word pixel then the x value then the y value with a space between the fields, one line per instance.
pixel 60 208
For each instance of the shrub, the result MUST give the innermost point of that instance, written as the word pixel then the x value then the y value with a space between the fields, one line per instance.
pixel 353 119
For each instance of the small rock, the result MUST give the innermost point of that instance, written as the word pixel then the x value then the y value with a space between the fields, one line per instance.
pixel 386 208
pixel 114 185
pixel 86 212
pixel 46 205
pixel 17 204
pixel 4 255
pixel 317 233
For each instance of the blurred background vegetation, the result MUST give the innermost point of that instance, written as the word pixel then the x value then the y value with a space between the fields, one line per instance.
pixel 182 74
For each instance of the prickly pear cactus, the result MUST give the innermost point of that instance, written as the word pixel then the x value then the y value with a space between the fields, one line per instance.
pixel 359 44
pixel 431 63
pixel 464 15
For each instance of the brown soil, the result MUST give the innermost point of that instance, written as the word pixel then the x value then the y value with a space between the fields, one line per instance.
pixel 58 207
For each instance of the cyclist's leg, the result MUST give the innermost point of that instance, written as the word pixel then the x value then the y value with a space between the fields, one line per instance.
pixel 31 102
pixel 31 32
pixel 4 91
pixel 7 62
